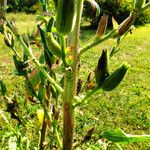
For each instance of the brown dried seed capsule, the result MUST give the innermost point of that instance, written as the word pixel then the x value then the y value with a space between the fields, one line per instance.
pixel 126 24
pixel 102 26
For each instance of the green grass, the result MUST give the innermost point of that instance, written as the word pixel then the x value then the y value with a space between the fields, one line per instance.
pixel 127 107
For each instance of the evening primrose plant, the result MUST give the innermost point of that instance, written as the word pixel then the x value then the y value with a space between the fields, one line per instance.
pixel 53 80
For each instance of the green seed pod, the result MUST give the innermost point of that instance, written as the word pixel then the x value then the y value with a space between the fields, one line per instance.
pixel 138 4
pixel 66 14
pixel 115 78
pixel 101 72
pixel 53 45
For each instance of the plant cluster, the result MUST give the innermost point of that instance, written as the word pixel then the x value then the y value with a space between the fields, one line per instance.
pixel 52 80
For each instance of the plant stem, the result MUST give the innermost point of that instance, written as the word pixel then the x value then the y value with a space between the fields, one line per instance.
pixel 16 53
pixel 43 133
pixel 63 51
pixel 46 113
pixel 70 85
pixel 118 146
pixel 68 120
pixel 96 41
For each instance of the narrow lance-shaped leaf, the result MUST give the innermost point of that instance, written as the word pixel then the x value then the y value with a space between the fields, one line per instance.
pixel 49 58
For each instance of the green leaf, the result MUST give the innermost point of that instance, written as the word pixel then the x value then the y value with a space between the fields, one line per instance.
pixel 41 92
pixel 32 83
pixel 119 136
pixel 50 25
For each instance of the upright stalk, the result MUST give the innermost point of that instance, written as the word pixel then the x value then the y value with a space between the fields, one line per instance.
pixel 44 125
pixel 70 85
pixel 43 133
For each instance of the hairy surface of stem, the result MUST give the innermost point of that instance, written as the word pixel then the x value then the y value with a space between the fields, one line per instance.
pixel 70 85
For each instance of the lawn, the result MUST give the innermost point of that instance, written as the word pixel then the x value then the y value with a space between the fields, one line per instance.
pixel 127 107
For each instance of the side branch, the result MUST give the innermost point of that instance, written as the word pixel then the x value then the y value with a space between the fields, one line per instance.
pixel 96 42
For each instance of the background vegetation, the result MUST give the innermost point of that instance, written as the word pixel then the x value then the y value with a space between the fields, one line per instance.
pixel 119 9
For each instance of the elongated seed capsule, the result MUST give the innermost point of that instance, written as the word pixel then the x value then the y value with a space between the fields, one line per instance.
pixel 115 78
pixel 138 4
pixel 53 45
pixel 101 71
pixel 102 26
pixel 126 24
pixel 66 13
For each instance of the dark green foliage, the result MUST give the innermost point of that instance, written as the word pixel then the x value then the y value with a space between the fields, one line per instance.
pixel 48 55
pixel 21 5
pixel 119 9
pixel 101 72
pixel 20 66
